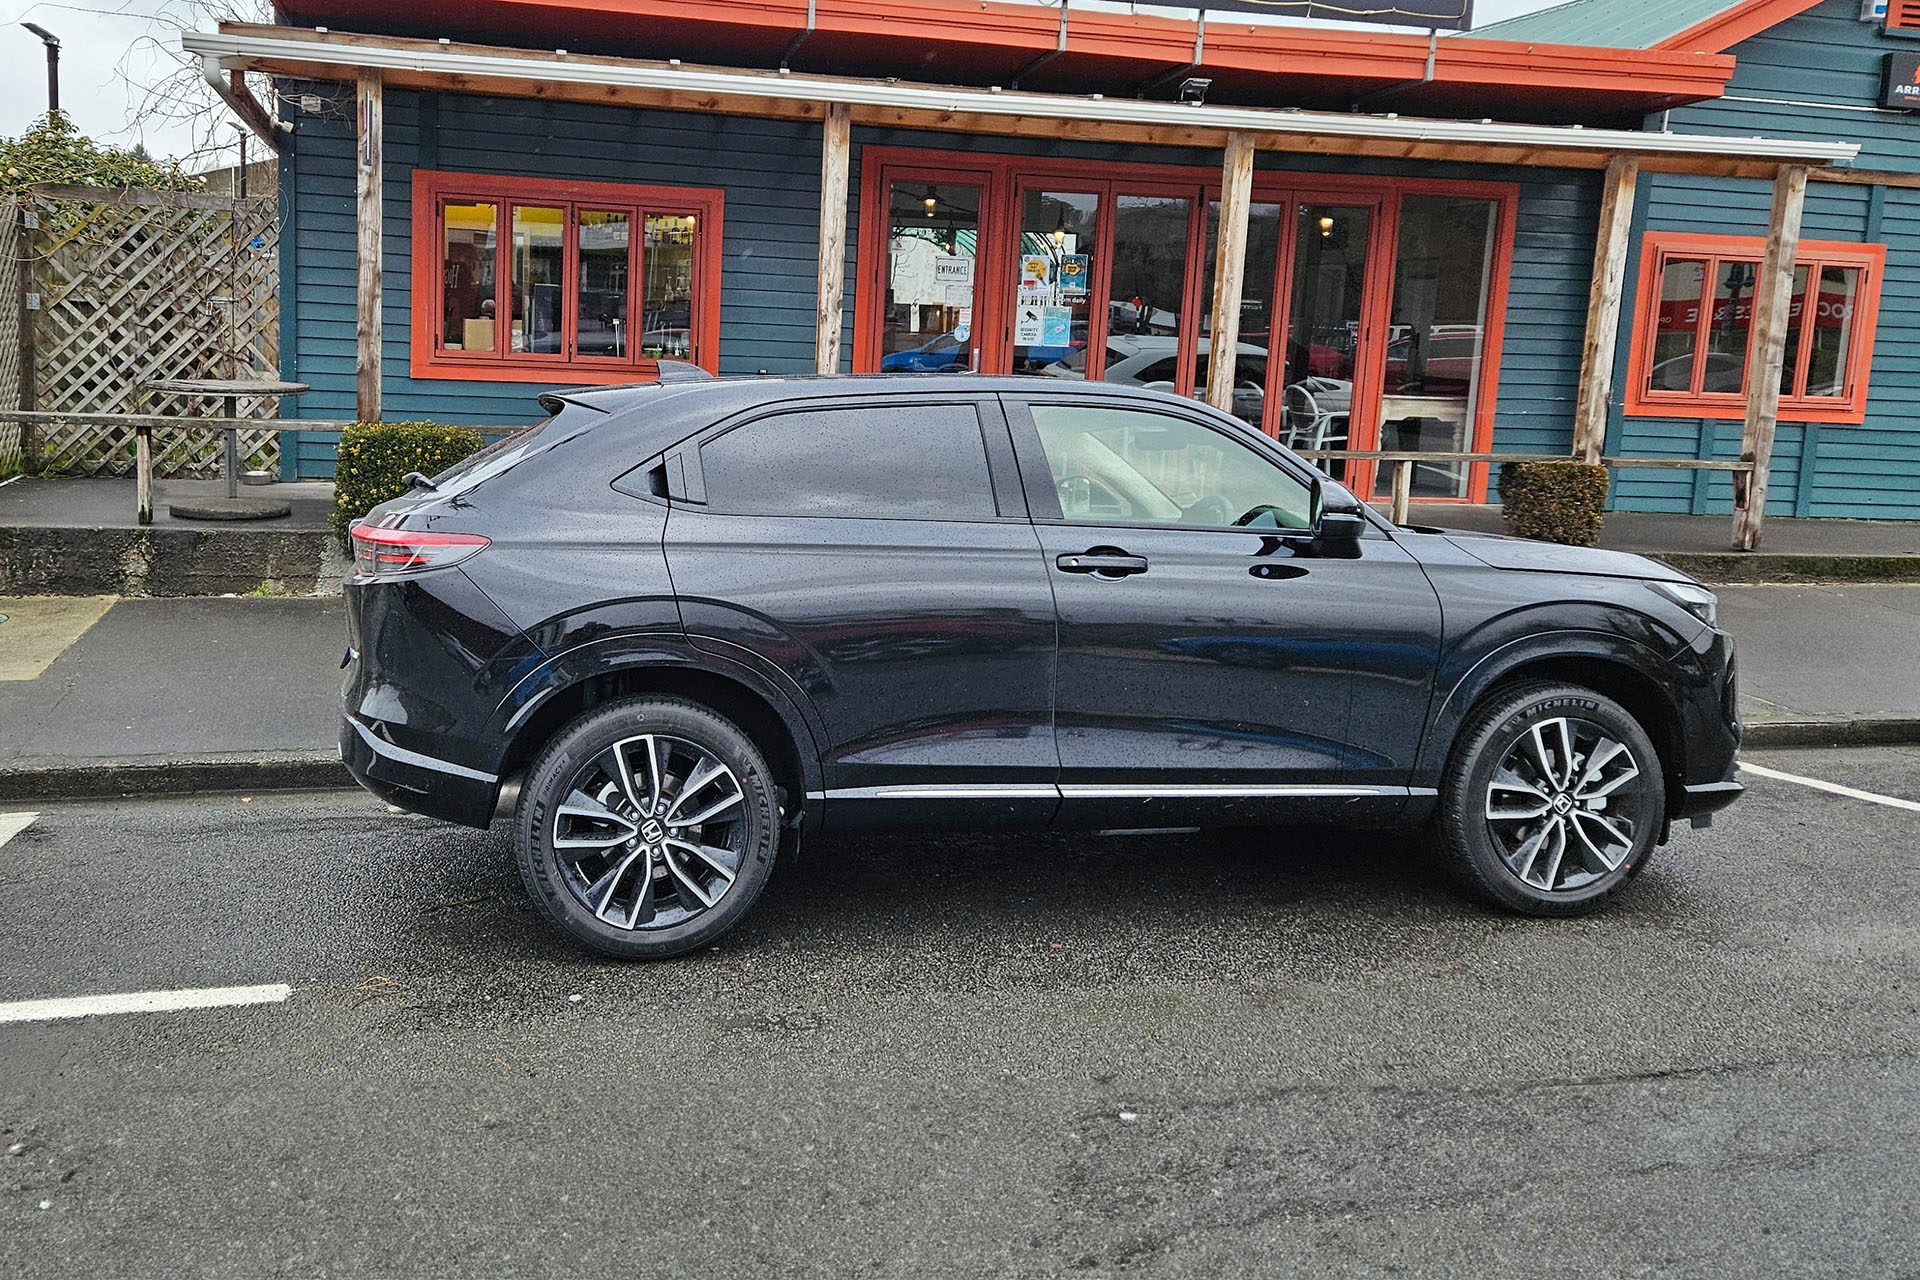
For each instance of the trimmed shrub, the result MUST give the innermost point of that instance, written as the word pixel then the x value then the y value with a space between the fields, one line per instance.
pixel 1562 502
pixel 375 458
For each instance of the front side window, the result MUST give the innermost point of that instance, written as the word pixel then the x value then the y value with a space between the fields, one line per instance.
pixel 1134 466
pixel 1696 323
pixel 576 282
pixel 893 462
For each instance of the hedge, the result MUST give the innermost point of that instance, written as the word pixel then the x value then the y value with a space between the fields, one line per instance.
pixel 375 457
pixel 1562 502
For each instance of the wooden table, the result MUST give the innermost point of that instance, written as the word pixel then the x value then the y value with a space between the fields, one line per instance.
pixel 229 390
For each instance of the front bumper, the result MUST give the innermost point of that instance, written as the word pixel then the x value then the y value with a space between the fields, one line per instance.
pixel 415 782
pixel 1705 798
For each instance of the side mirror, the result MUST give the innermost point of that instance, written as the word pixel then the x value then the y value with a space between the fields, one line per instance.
pixel 1337 517
pixel 1341 526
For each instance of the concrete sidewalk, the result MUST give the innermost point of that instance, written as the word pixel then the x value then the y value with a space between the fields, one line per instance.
pixel 186 694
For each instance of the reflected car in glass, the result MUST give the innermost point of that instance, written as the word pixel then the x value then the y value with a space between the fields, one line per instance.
pixel 681 625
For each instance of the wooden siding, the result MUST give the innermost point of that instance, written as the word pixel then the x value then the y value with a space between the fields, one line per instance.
pixel 1819 74
pixel 770 172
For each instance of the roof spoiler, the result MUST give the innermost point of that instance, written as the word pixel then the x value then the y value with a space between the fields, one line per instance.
pixel 607 399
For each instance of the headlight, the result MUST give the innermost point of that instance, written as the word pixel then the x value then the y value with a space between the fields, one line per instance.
pixel 1692 597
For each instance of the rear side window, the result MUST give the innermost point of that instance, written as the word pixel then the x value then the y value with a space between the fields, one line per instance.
pixel 900 462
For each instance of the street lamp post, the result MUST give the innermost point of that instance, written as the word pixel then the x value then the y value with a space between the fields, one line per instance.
pixel 53 64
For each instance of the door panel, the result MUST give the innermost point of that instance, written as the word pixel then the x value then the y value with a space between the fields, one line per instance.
pixel 1209 673
pixel 922 634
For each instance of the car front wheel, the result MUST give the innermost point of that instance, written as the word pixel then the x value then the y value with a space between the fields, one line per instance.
pixel 647 827
pixel 1553 800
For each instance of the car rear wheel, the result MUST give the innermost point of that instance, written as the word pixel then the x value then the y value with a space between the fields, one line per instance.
pixel 1553 800
pixel 647 827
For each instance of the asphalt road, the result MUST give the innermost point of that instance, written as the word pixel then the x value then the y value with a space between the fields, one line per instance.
pixel 1195 1056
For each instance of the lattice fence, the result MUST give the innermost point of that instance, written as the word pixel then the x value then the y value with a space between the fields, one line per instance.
pixel 141 285
pixel 10 460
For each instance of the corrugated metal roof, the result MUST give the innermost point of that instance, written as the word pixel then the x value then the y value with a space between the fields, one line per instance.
pixel 1617 24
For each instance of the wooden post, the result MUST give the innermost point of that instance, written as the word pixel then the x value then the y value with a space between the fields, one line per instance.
pixel 1402 490
pixel 370 173
pixel 143 473
pixel 1603 308
pixel 834 146
pixel 1229 265
pixel 29 385
pixel 1767 353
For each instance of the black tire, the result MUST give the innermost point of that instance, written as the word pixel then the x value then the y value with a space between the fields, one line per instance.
pixel 1485 843
pixel 681 731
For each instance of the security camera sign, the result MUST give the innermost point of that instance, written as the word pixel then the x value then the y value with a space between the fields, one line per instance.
pixel 1452 15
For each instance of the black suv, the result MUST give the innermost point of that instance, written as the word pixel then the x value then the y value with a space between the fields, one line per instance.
pixel 698 618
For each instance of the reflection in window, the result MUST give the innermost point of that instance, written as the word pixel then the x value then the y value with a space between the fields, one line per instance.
pixel 1833 331
pixel 605 246
pixel 1724 369
pixel 1323 327
pixel 1131 466
pixel 467 279
pixel 933 234
pixel 666 302
pixel 1677 328
pixel 539 273
pixel 1435 347
pixel 1053 286
pixel 1256 308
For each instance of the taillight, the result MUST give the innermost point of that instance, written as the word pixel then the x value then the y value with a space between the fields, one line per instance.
pixel 382 553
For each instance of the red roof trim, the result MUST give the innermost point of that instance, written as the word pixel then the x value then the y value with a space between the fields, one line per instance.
pixel 1736 23
pixel 1004 37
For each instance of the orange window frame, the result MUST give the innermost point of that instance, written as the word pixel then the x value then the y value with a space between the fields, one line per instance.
pixel 433 190
pixel 1659 248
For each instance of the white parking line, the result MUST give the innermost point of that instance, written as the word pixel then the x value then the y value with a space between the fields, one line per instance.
pixel 12 824
pixel 1834 788
pixel 142 1002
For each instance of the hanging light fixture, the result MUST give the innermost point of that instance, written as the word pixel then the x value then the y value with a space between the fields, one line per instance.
pixel 1326 225
pixel 1059 232
pixel 932 201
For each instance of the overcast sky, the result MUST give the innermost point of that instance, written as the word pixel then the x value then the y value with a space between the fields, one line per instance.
pixel 107 43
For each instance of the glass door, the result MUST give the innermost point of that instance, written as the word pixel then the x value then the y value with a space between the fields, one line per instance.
pixel 1436 338
pixel 1054 281
pixel 1325 282
pixel 928 322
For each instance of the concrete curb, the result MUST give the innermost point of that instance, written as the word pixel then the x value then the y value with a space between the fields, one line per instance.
pixel 1893 731
pixel 98 779
pixel 1739 568
pixel 106 779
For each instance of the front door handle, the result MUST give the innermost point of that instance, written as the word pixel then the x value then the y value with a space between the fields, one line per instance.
pixel 1108 562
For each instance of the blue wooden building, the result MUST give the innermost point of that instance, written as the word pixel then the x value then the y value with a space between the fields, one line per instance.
pixel 1577 232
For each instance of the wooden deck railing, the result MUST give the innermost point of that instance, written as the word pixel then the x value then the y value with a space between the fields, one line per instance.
pixel 1402 461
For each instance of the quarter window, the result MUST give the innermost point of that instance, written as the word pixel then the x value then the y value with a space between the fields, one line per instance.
pixel 1132 466
pixel 1696 319
pixel 899 462
pixel 577 282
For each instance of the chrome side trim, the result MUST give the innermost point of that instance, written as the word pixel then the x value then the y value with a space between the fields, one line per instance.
pixel 943 791
pixel 400 755
pixel 1223 791
pixel 1105 791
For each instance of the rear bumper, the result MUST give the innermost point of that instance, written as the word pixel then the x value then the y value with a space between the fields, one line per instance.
pixel 416 782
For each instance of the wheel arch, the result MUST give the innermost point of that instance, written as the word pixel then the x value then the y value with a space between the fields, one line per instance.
pixel 1612 666
pixel 581 680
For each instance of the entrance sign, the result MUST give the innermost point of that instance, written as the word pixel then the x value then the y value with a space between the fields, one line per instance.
pixel 1452 15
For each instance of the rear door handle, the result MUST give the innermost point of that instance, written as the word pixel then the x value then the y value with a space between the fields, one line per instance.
pixel 1106 563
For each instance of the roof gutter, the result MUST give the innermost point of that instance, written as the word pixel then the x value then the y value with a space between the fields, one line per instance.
pixel 277 49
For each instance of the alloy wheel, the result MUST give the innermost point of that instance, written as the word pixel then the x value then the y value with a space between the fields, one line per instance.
pixel 1560 806
pixel 651 832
